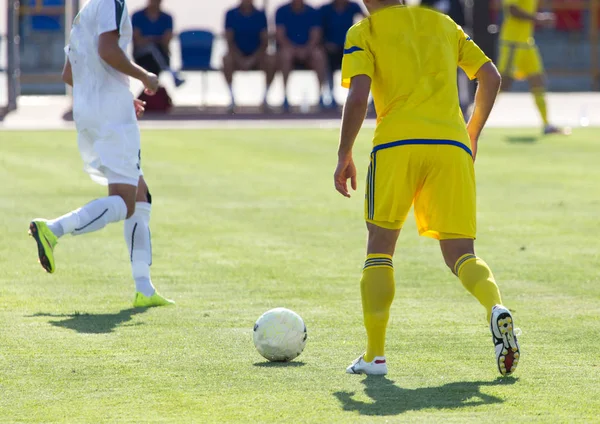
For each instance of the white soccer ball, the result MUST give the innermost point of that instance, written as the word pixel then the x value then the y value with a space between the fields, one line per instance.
pixel 280 335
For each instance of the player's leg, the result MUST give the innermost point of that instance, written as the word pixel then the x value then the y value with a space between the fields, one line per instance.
pixel 285 57
pixel 317 61
pixel 392 181
pixel 228 70
pixel 506 58
pixel 139 245
pixel 268 64
pixel 103 149
pixel 534 69
pixel 445 209
pixel 476 276
pixel 91 217
pixel 377 287
pixel 537 86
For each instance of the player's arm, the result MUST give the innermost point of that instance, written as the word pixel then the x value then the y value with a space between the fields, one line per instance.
pixel 281 37
pixel 165 39
pixel 358 68
pixel 264 42
pixel 489 81
pixel 280 31
pixel 167 36
pixel 110 51
pixel 230 37
pixel 139 39
pixel 355 110
pixel 67 73
pixel 545 18
pixel 264 36
pixel 476 64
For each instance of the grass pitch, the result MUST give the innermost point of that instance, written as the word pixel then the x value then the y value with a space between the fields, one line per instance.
pixel 244 221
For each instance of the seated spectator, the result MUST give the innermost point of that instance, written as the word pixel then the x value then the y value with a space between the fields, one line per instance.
pixel 299 42
pixel 337 18
pixel 152 33
pixel 247 40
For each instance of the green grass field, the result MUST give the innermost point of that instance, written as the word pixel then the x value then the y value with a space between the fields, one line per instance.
pixel 244 221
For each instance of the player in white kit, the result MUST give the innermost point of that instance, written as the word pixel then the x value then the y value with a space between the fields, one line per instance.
pixel 105 112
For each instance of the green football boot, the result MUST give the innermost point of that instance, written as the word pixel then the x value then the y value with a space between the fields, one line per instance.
pixel 46 241
pixel 156 299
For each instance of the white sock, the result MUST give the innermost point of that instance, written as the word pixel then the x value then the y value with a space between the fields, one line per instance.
pixel 139 245
pixel 91 217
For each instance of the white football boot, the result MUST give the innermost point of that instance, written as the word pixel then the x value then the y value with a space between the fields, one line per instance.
pixel 505 341
pixel 377 366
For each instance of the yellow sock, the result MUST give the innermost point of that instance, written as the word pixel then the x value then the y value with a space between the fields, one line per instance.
pixel 478 279
pixel 377 288
pixel 539 94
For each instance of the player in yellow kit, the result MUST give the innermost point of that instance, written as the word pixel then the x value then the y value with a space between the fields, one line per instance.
pixel 519 57
pixel 423 153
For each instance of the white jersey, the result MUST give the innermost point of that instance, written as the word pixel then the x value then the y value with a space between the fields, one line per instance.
pixel 101 94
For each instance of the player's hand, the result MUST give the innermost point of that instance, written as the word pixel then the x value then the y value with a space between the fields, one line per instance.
pixel 150 84
pixel 139 106
pixel 345 171
pixel 474 142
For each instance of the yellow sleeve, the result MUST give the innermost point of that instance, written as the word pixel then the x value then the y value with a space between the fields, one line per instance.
pixel 470 57
pixel 358 59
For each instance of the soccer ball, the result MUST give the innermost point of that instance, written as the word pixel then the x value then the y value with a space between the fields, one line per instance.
pixel 280 335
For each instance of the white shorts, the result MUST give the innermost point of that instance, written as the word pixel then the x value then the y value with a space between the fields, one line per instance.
pixel 111 153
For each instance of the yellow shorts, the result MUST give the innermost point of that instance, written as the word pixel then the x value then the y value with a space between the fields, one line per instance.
pixel 436 175
pixel 519 60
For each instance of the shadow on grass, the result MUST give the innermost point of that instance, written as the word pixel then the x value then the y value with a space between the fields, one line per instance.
pixel 389 399
pixel 292 364
pixel 522 139
pixel 92 323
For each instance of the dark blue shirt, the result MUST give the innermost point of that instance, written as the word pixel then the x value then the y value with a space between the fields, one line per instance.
pixel 336 24
pixel 149 28
pixel 246 29
pixel 297 25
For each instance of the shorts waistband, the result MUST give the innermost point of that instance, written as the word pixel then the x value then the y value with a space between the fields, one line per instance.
pixel 422 142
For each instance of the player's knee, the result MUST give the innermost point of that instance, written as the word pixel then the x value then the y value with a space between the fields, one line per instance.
pixel 450 262
pixel 381 240
pixel 286 57
pixel 454 249
pixel 318 57
pixel 130 203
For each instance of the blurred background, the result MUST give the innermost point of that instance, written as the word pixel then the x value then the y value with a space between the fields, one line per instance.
pixel 33 34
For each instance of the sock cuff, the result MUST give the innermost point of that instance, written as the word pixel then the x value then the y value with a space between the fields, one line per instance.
pixel 378 260
pixel 143 207
pixel 462 261
pixel 142 210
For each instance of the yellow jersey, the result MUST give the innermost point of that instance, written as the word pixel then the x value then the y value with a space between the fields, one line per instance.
pixel 412 56
pixel 516 30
